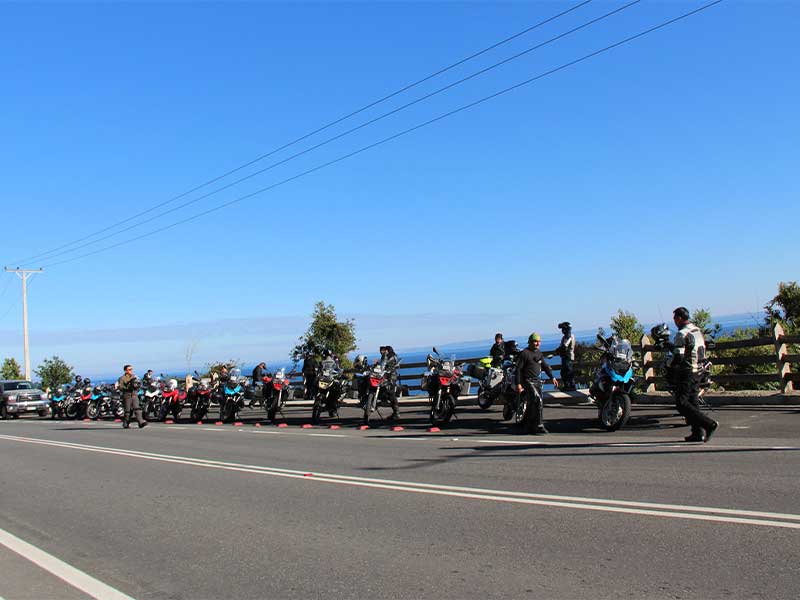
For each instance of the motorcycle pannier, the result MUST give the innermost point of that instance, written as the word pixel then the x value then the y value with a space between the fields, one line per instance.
pixel 476 371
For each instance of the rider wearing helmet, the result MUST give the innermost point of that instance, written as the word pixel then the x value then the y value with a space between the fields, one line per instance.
pixel 498 350
pixel 530 364
pixel 389 361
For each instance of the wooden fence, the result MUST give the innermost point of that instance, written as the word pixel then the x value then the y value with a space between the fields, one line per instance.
pixel 781 359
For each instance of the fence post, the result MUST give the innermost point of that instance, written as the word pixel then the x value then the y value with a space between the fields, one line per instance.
pixel 784 368
pixel 647 357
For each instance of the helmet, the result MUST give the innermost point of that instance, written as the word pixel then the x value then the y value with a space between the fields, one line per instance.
pixel 660 333
pixel 534 337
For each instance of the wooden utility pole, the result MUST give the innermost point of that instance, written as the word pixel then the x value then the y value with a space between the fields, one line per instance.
pixel 23 274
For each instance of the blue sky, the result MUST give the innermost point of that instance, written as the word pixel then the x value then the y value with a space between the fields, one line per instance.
pixel 661 173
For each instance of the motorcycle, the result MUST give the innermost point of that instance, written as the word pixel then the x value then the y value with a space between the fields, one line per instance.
pixel 101 404
pixel 199 397
pixel 232 395
pixel 376 386
pixel 613 383
pixel 58 401
pixel 72 404
pixel 279 393
pixel 441 381
pixel 152 399
pixel 492 381
pixel 173 399
pixel 329 389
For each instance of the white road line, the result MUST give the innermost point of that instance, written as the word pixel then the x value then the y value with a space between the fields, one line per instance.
pixel 74 577
pixel 331 435
pixel 674 511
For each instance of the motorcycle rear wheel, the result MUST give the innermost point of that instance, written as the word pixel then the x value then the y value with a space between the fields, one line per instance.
pixel 93 411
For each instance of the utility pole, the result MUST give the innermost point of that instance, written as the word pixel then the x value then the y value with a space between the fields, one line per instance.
pixel 23 274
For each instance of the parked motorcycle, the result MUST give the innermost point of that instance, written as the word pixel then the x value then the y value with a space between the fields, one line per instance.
pixel 441 381
pixel 493 381
pixel 613 383
pixel 279 394
pixel 233 395
pixel 58 400
pixel 199 397
pixel 102 404
pixel 173 399
pixel 329 389
pixel 152 399
pixel 376 386
pixel 72 404
pixel 523 407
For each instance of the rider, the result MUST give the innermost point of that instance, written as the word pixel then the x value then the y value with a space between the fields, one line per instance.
pixel 222 380
pixel 331 361
pixel 567 353
pixel 310 366
pixel 498 350
pixel 688 352
pixel 530 364
pixel 389 361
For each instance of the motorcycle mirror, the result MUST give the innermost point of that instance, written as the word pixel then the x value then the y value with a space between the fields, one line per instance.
pixel 435 351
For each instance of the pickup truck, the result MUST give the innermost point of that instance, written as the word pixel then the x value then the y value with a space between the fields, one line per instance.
pixel 19 396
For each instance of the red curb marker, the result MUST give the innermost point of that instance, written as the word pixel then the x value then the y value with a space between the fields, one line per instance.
pixel 334 427
pixel 282 425
pixel 434 429
pixel 363 427
pixel 218 423
pixel 258 424
pixel 238 424
pixel 199 422
pixel 308 474
pixel 87 419
pixel 307 426
pixel 117 420
pixel 169 422
pixel 397 428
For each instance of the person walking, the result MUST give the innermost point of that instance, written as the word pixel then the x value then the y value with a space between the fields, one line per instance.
pixel 688 352
pixel 530 364
pixel 130 401
pixel 566 352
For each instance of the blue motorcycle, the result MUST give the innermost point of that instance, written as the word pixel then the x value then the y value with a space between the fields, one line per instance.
pixel 232 396
pixel 58 401
pixel 613 383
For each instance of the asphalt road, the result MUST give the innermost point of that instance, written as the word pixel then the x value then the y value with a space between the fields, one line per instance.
pixel 474 511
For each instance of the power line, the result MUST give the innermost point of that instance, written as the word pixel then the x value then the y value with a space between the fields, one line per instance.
pixel 349 131
pixel 308 135
pixel 401 133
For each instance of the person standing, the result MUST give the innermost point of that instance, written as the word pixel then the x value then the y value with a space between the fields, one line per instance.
pixel 498 350
pixel 530 364
pixel 390 362
pixel 258 372
pixel 688 352
pixel 566 351
pixel 310 366
pixel 130 401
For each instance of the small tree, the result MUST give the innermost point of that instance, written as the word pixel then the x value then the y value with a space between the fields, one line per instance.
pixel 326 332
pixel 702 318
pixel 11 369
pixel 784 308
pixel 626 325
pixel 54 372
pixel 215 367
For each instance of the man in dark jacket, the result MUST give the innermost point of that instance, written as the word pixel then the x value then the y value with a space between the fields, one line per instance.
pixel 530 364
pixel 498 350
pixel 310 366
pixel 130 401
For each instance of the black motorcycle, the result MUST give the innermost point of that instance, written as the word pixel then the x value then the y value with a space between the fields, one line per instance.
pixel 330 388
pixel 377 384
pixel 523 407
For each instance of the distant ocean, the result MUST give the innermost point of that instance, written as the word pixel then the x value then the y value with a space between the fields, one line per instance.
pixel 480 348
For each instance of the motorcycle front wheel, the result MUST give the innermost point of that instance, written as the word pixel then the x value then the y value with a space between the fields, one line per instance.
pixel 442 410
pixel 484 402
pixel 93 411
pixel 615 412
pixel 316 410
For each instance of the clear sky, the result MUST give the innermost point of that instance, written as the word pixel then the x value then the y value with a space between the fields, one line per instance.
pixel 661 173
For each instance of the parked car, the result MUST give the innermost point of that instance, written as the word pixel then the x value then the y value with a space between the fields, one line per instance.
pixel 19 396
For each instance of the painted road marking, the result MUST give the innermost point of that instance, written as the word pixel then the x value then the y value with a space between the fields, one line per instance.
pixel 673 511
pixel 74 577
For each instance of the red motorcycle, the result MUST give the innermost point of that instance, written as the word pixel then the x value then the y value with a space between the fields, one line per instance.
pixel 442 384
pixel 173 401
pixel 279 385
